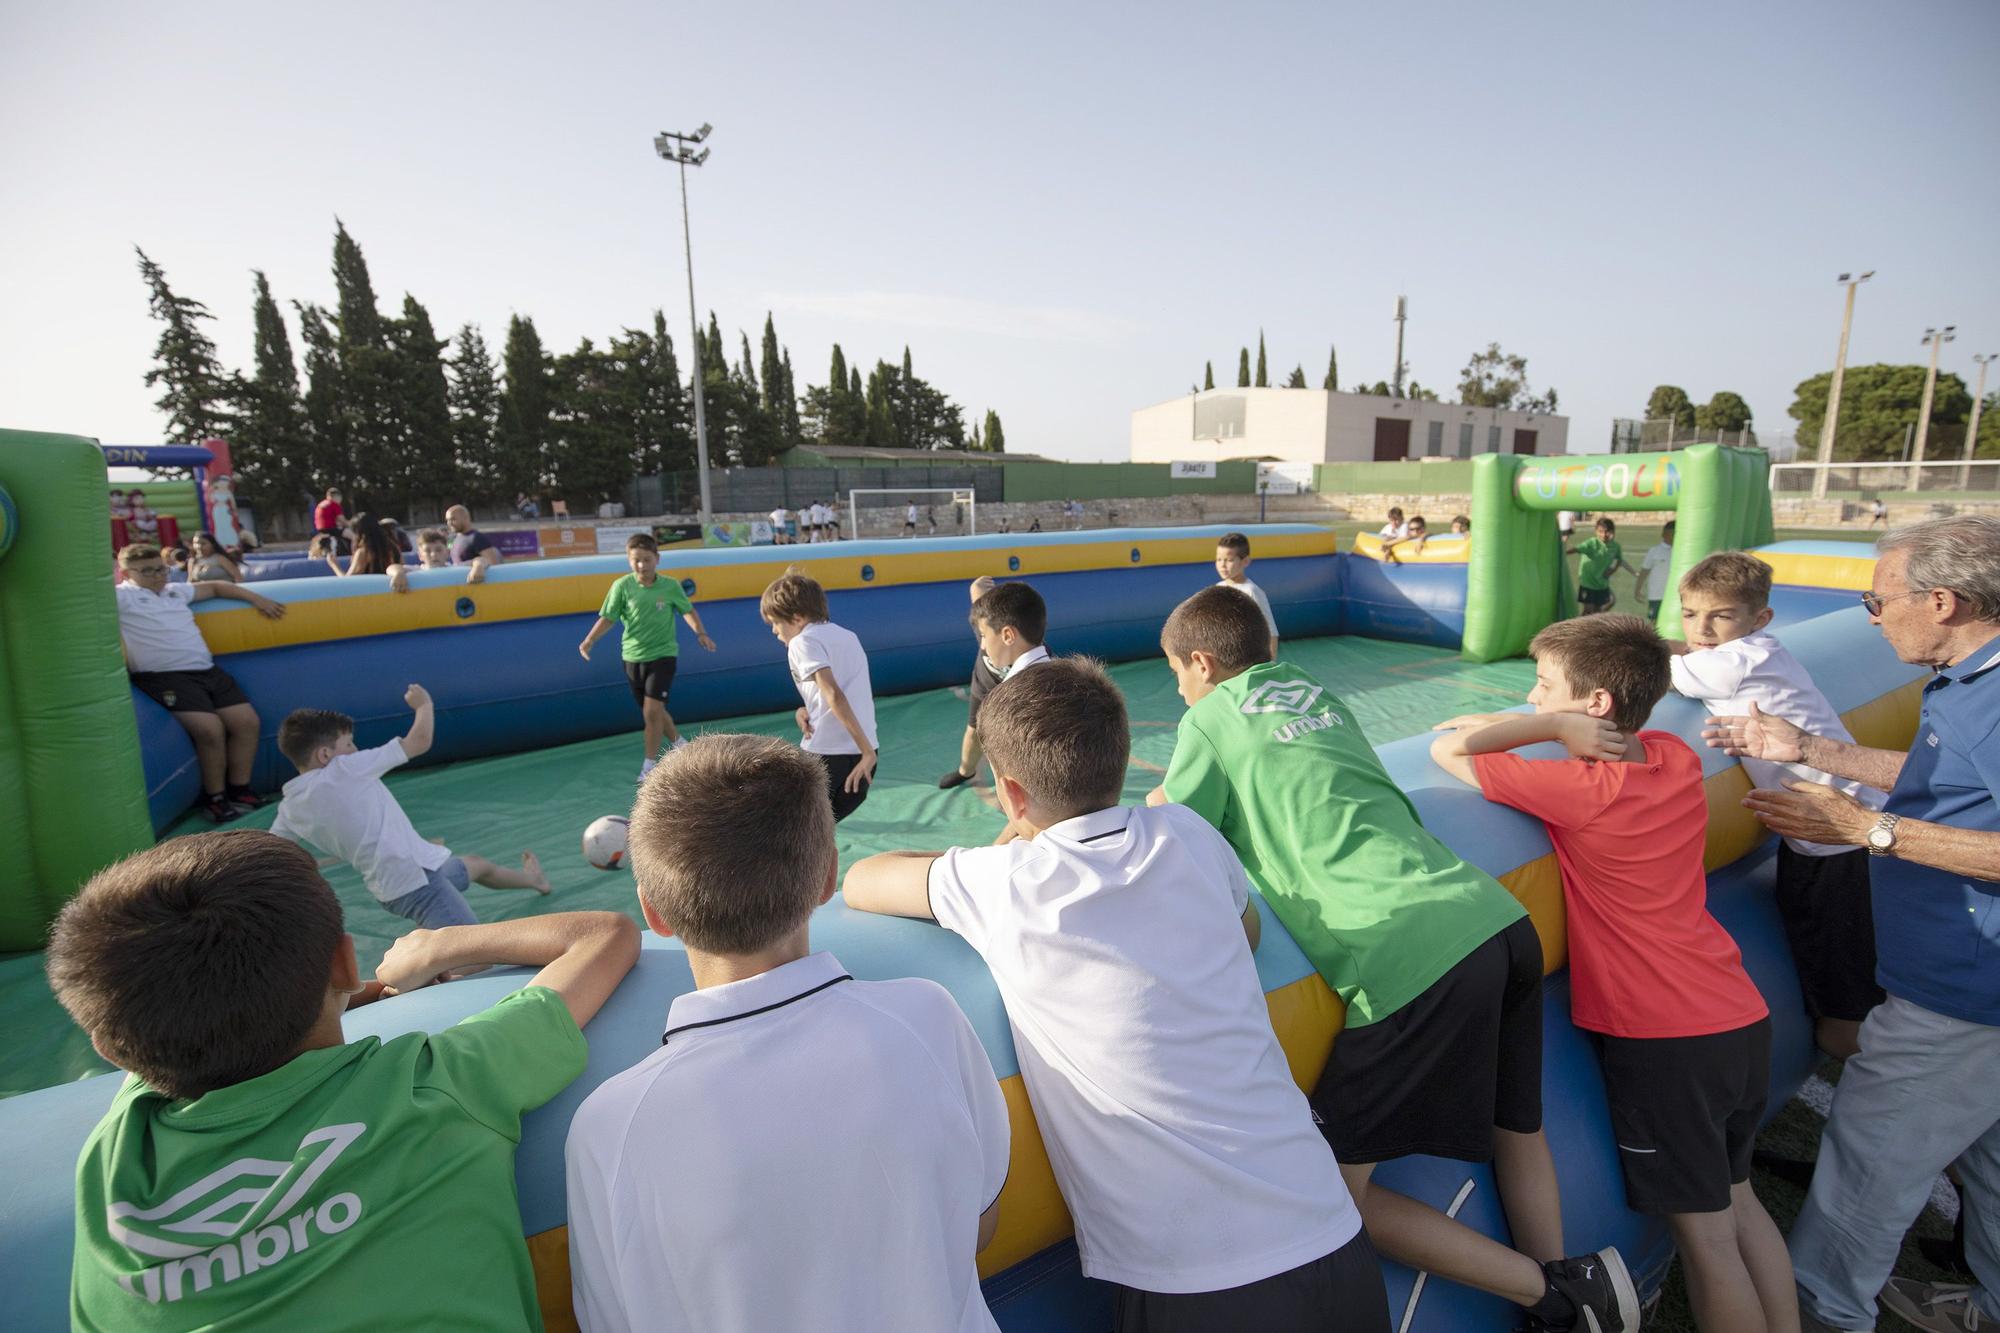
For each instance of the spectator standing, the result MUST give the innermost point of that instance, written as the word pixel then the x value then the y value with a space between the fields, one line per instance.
pixel 1922 1092
pixel 327 515
pixel 469 546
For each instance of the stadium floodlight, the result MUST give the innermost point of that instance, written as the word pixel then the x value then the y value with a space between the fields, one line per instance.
pixel 679 149
pixel 1849 281
pixel 1933 339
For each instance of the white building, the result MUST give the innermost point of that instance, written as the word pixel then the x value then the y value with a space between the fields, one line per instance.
pixel 1316 426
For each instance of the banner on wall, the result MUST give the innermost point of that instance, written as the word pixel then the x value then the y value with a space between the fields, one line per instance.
pixel 1284 478
pixel 568 541
pixel 757 533
pixel 518 543
pixel 611 536
pixel 677 534
pixel 1178 470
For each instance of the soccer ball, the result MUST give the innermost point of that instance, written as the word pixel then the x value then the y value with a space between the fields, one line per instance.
pixel 604 842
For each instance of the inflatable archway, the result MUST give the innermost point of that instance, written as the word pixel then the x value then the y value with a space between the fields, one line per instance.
pixel 1517 581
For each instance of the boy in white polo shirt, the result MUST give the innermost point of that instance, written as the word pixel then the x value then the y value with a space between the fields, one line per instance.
pixel 804 1151
pixel 828 664
pixel 1232 561
pixel 1732 664
pixel 338 803
pixel 1117 937
pixel 170 663
pixel 1010 620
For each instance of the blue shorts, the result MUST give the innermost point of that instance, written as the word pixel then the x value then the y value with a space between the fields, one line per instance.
pixel 441 900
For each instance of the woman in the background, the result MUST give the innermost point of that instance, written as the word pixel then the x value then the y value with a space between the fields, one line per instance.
pixel 374 553
pixel 208 561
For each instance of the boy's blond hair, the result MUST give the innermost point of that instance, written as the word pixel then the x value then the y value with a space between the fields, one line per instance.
pixel 794 596
pixel 1622 655
pixel 133 552
pixel 1060 731
pixel 1737 576
pixel 732 841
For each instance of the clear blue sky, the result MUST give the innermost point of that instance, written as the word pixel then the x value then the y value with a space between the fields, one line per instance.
pixel 1063 209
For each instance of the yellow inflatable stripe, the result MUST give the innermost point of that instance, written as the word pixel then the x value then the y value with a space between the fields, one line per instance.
pixel 1853 572
pixel 1446 550
pixel 1538 885
pixel 548 1251
pixel 242 631
pixel 1890 722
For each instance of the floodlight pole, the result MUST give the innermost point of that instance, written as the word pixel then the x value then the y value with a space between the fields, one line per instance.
pixel 1826 428
pixel 1972 427
pixel 679 149
pixel 1934 339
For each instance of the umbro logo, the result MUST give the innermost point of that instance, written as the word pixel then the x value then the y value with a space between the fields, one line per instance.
pixel 1283 696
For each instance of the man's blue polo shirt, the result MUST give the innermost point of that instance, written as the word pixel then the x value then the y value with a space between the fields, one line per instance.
pixel 1937 935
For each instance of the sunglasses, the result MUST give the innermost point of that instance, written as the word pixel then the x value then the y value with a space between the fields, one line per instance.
pixel 1873 604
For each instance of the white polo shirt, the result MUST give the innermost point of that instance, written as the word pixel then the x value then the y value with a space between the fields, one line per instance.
pixel 1394 532
pixel 1658 569
pixel 1255 594
pixel 804 1151
pixel 159 629
pixel 346 811
pixel 778 517
pixel 1038 653
pixel 1758 669
pixel 1187 1155
pixel 827 645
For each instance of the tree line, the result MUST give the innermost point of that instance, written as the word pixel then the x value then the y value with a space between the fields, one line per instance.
pixel 1491 378
pixel 1879 405
pixel 405 421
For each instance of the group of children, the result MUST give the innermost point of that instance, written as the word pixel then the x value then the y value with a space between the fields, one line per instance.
pixel 1204 1185
pixel 817 522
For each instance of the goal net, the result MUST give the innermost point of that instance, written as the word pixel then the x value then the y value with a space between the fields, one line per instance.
pixel 1931 480
pixel 886 511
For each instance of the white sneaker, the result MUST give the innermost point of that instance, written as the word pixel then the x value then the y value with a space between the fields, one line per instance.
pixel 1942 1306
pixel 645 769
pixel 680 743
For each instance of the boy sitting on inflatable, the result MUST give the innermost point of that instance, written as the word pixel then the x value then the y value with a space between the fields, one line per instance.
pixel 1682 1032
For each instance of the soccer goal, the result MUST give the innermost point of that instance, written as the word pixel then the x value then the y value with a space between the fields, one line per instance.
pixel 901 498
pixel 1931 480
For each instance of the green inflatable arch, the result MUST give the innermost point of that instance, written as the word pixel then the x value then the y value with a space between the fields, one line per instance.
pixel 1516 579
pixel 72 789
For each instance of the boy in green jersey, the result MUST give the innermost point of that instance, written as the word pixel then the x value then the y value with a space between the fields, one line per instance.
pixel 259 1171
pixel 1601 555
pixel 646 605
pixel 1439 967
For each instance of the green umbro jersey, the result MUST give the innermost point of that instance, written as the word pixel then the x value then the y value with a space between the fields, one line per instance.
pixel 1382 908
pixel 648 615
pixel 366 1186
pixel 1599 558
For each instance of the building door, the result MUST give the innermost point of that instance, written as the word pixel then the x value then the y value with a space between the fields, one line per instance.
pixel 1392 439
pixel 1524 441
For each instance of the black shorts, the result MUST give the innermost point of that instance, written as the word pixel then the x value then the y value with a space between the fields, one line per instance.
pixel 208 691
pixel 984 678
pixel 1342 1290
pixel 1830 924
pixel 1685 1112
pixel 651 680
pixel 1439 1075
pixel 838 766
pixel 1593 596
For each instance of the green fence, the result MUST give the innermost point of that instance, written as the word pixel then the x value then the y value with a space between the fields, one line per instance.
pixel 1445 476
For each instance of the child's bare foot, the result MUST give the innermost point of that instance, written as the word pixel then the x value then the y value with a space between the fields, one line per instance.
pixel 532 868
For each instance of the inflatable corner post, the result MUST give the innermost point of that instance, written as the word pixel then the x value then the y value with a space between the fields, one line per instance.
pixel 1516 579
pixel 72 793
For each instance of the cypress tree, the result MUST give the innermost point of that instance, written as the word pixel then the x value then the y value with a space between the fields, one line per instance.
pixel 270 449
pixel 1263 380
pixel 423 407
pixel 367 380
pixel 473 389
pixel 590 434
pixel 1243 368
pixel 1298 379
pixel 655 404
pixel 996 440
pixel 522 426
pixel 1208 375
pixel 774 372
pixel 881 410
pixel 197 389
pixel 976 445
pixel 1332 370
pixel 794 433
pixel 326 418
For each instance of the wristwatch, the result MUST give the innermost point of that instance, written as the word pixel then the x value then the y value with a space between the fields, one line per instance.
pixel 1882 838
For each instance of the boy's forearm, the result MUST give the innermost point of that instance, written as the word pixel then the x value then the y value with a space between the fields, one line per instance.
pixel 583 955
pixel 842 710
pixel 1510 733
pixel 599 630
pixel 1859 763
pixel 891 884
pixel 422 727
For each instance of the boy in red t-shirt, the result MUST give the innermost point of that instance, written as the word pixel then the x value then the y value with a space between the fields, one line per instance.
pixel 1682 1033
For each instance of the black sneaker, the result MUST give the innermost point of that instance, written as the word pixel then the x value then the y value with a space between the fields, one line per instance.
pixel 244 797
pixel 219 809
pixel 954 779
pixel 1600 1287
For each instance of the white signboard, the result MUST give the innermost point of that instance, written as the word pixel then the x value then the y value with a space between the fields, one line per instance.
pixel 1284 478
pixel 611 537
pixel 1191 470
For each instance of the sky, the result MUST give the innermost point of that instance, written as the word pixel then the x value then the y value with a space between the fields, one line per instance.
pixel 1063 210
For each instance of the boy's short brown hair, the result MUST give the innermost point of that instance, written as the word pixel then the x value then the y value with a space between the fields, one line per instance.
pixel 732 841
pixel 1736 575
pixel 643 541
pixel 1235 543
pixel 306 729
pixel 1014 606
pixel 794 596
pixel 1619 654
pixel 133 552
pixel 1059 730
pixel 202 962
pixel 429 535
pixel 1221 622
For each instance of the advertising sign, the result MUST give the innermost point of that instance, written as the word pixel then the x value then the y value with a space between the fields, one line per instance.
pixel 568 541
pixel 517 543
pixel 611 536
pixel 677 534
pixel 739 534
pixel 1178 470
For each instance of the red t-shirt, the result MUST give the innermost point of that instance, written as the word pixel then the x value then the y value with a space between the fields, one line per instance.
pixel 1645 957
pixel 326 515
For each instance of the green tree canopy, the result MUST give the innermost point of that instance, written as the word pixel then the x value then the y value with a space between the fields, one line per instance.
pixel 1332 380
pixel 1243 368
pixel 197 391
pixel 1208 374
pixel 422 408
pixel 1297 379
pixel 1724 411
pixel 1878 404
pixel 996 440
pixel 270 448
pixel 1671 401
pixel 521 427
pixel 1263 378
pixel 473 386
pixel 1494 378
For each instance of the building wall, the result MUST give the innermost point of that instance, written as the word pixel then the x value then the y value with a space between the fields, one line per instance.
pixel 1314 426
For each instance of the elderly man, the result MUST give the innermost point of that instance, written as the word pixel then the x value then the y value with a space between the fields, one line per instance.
pixel 1925 1089
pixel 469 546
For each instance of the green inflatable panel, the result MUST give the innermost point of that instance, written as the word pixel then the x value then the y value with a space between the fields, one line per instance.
pixel 72 791
pixel 1516 579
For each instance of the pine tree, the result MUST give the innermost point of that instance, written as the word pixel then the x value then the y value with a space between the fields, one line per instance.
pixel 522 426
pixel 882 407
pixel 270 449
pixel 1332 370
pixel 330 463
pixel 976 445
pixel 474 395
pixel 793 431
pixel 655 402
pixel 1263 380
pixel 198 391
pixel 1208 375
pixel 590 433
pixel 367 381
pixel 423 412
pixel 773 401
pixel 757 435
pixel 1298 379
pixel 996 440
pixel 1243 368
